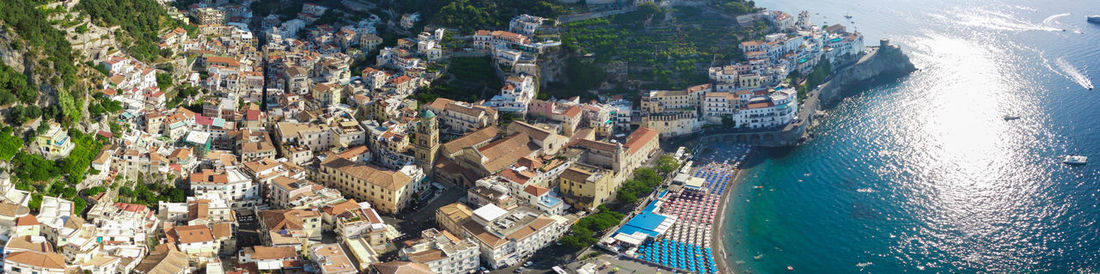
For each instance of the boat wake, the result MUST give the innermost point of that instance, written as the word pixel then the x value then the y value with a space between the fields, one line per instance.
pixel 1070 72
pixel 996 20
pixel 1050 19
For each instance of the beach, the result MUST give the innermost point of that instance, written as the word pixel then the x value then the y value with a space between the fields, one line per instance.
pixel 719 233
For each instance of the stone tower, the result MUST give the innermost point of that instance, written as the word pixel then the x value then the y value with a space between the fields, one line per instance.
pixel 427 140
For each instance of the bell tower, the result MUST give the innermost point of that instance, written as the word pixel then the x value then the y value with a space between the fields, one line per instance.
pixel 427 140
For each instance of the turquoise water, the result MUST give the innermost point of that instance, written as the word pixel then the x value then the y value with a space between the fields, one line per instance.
pixel 924 173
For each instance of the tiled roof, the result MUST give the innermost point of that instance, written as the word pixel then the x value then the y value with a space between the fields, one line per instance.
pixel 399 267
pixel 476 137
pixel 639 138
pixel 387 179
pixel 49 260
pixel 273 253
pixel 191 234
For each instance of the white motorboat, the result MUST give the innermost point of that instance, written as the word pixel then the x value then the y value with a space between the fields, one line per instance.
pixel 1094 19
pixel 1074 159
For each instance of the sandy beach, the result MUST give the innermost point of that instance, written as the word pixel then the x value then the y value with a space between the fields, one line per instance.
pixel 719 233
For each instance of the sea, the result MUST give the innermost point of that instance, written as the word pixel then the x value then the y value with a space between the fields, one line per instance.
pixel 924 174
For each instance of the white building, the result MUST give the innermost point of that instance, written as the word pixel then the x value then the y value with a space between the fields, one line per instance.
pixel 776 109
pixel 525 24
pixel 515 95
pixel 266 257
pixel 508 237
pixel 443 252
pixel 231 185
pixel 332 259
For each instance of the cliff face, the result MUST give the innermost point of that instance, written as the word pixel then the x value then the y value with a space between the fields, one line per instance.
pixel 8 55
pixel 886 63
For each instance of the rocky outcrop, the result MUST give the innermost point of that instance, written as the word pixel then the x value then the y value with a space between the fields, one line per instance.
pixel 8 54
pixel 882 64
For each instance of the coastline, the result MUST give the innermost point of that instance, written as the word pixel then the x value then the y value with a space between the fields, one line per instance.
pixel 718 238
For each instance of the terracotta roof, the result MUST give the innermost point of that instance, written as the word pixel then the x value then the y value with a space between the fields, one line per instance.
pixel 273 253
pixel 505 152
pixel 456 211
pixel 163 260
pixel 759 105
pixel 352 152
pixel 468 111
pixel 596 145
pixel 340 208
pixel 276 220
pixel 476 137
pixel 198 209
pixel 639 138
pixel 482 235
pixel 531 228
pixel 427 256
pixel 28 243
pixel 190 234
pixel 531 130
pixel 12 210
pixel 224 60
pixel 44 260
pixel 209 176
pixel 536 190
pixel 440 103
pixel 388 179
pixel 399 267
pixel 131 207
pixel 180 154
pixel 514 176
pixel 27 220
pixel 257 146
pixel 222 230
pixel 573 112
pixel 530 163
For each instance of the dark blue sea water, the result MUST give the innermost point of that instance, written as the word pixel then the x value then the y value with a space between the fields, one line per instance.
pixel 924 174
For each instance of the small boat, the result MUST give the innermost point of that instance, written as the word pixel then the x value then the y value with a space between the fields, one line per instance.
pixel 1074 159
pixel 1011 117
pixel 1094 19
pixel 848 15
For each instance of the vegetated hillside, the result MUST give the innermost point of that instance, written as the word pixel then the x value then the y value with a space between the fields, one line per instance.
pixel 48 67
pixel 142 20
pixel 43 81
pixel 470 15
pixel 665 48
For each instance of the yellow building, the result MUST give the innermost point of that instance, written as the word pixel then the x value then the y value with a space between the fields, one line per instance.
pixel 585 186
pixel 388 191
pixel 54 143
pixel 451 217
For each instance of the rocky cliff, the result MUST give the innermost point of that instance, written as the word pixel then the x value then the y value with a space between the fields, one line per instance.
pixel 882 64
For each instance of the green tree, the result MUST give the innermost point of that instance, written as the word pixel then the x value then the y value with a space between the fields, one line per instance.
pixel 626 197
pixel 164 80
pixel 667 164
pixel 30 167
pixel 9 144
pixel 144 21
pixel 36 202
